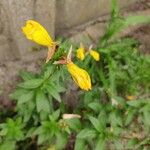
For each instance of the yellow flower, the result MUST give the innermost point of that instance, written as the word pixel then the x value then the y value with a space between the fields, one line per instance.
pixel 95 55
pixel 37 33
pixel 80 76
pixel 81 53
pixel 52 147
pixel 130 97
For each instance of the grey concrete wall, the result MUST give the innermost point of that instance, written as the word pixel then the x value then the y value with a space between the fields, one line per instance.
pixel 54 15
pixel 13 15
pixel 76 12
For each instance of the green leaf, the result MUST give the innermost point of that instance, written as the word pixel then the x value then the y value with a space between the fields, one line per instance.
pixel 130 115
pixel 114 8
pixel 60 88
pixel 117 24
pixel 79 144
pixel 74 124
pixel 38 131
pixel 115 118
pixel 95 122
pixel 17 93
pixel 56 114
pixel 26 110
pixel 114 27
pixel 30 132
pixel 61 141
pixel 26 75
pixel 120 100
pixel 48 72
pixel 42 102
pixel 100 145
pixel 14 129
pixel 31 84
pixel 41 139
pixel 102 120
pixel 95 106
pixel 52 90
pixel 26 97
pixel 8 145
pixel 86 133
pixel 133 20
pixel 146 117
pixel 119 145
pixel 135 103
pixel 131 143
pixel 43 115
pixel 3 132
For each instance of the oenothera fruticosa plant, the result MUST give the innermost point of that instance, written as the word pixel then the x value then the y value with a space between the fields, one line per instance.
pixel 37 33
pixel 110 105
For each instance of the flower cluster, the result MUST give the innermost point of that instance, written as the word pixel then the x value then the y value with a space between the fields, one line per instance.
pixel 37 33
pixel 82 52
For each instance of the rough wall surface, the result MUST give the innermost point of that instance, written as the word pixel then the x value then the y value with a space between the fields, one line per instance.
pixel 66 13
pixel 13 14
pixel 76 12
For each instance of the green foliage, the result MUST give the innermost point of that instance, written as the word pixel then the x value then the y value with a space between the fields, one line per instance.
pixel 108 116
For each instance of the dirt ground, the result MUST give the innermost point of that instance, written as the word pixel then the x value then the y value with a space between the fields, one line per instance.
pixel 9 69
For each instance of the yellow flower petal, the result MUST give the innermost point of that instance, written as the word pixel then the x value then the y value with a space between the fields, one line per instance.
pixel 95 55
pixel 37 33
pixel 80 53
pixel 80 76
pixel 52 147
pixel 130 97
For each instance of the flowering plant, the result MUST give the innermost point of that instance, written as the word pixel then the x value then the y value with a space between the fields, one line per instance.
pixel 108 103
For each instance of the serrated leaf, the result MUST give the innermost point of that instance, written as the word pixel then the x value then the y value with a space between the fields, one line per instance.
pixel 86 133
pixel 42 102
pixel 31 84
